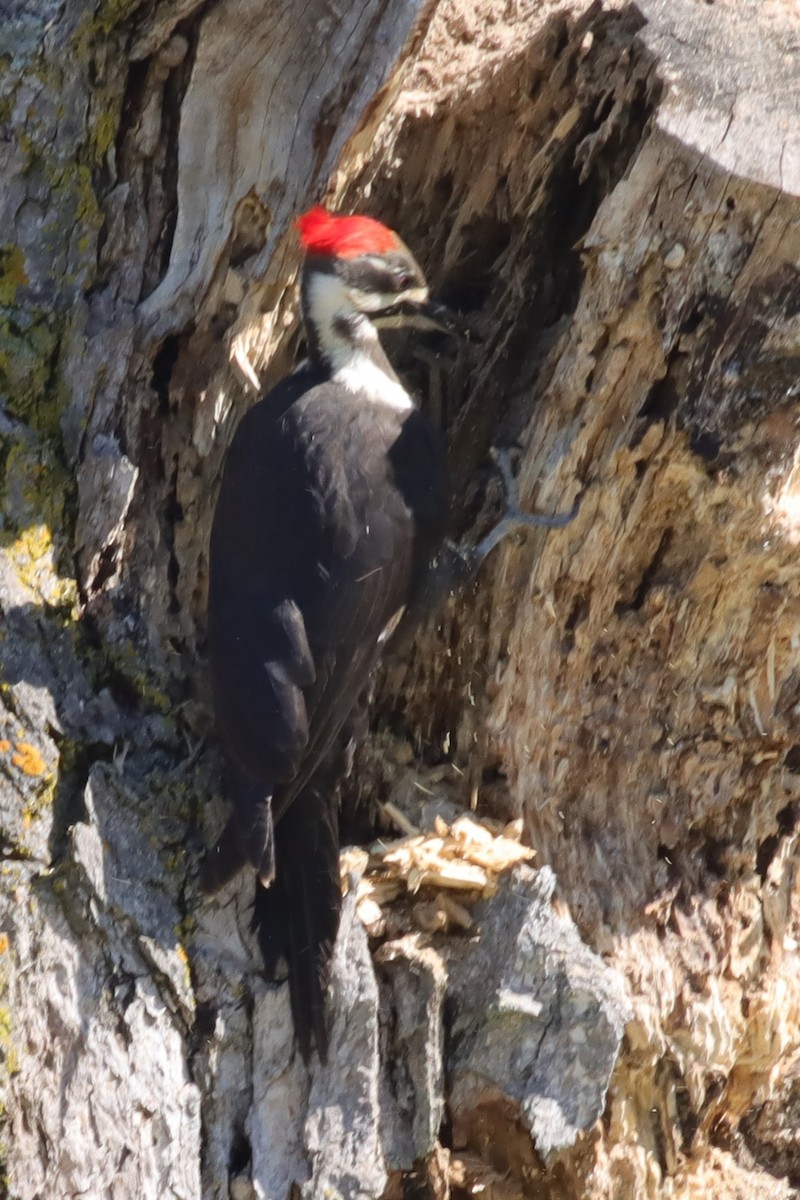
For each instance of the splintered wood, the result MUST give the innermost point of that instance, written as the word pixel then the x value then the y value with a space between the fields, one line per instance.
pixel 462 859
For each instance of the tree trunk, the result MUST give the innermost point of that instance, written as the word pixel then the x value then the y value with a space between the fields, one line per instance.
pixel 611 194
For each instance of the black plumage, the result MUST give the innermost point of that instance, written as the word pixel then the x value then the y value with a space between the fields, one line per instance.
pixel 333 501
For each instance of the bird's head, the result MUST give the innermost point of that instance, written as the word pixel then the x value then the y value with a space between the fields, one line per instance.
pixel 357 270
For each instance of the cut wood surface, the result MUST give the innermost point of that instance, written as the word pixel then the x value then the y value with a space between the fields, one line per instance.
pixel 569 963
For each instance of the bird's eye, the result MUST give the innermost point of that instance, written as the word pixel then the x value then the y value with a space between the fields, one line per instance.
pixel 403 279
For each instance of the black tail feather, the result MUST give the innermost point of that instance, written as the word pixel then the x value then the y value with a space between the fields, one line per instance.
pixel 248 837
pixel 297 917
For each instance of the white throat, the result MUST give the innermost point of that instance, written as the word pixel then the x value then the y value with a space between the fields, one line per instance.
pixel 358 364
pixel 360 373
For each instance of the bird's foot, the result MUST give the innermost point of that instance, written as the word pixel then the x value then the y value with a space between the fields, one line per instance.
pixel 514 518
pixel 457 564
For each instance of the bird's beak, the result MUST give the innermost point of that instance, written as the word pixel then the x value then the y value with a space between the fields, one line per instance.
pixel 424 314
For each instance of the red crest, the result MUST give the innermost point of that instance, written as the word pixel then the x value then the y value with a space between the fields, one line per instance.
pixel 322 232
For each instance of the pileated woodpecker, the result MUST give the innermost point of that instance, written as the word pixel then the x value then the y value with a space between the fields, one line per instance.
pixel 333 507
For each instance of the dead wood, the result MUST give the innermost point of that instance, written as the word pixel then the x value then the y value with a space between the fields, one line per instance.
pixel 611 194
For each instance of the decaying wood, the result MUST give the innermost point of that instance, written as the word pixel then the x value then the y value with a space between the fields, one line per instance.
pixel 641 667
pixel 612 195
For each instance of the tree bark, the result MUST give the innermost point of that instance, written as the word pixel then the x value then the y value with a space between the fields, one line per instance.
pixel 611 194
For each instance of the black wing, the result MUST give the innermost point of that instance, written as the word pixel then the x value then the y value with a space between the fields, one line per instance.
pixel 325 513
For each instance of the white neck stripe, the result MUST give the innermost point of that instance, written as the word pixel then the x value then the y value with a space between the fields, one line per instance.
pixel 351 364
pixel 360 373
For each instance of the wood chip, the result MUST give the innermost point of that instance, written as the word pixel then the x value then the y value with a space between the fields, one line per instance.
pixel 460 875
pixel 465 858
pixel 398 818
pixel 371 916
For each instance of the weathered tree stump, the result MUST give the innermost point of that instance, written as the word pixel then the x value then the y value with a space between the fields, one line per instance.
pixel 611 194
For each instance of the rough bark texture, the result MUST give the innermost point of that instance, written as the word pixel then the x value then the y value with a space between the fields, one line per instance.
pixel 612 194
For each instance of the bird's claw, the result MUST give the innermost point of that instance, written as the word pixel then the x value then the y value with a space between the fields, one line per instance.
pixel 514 518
